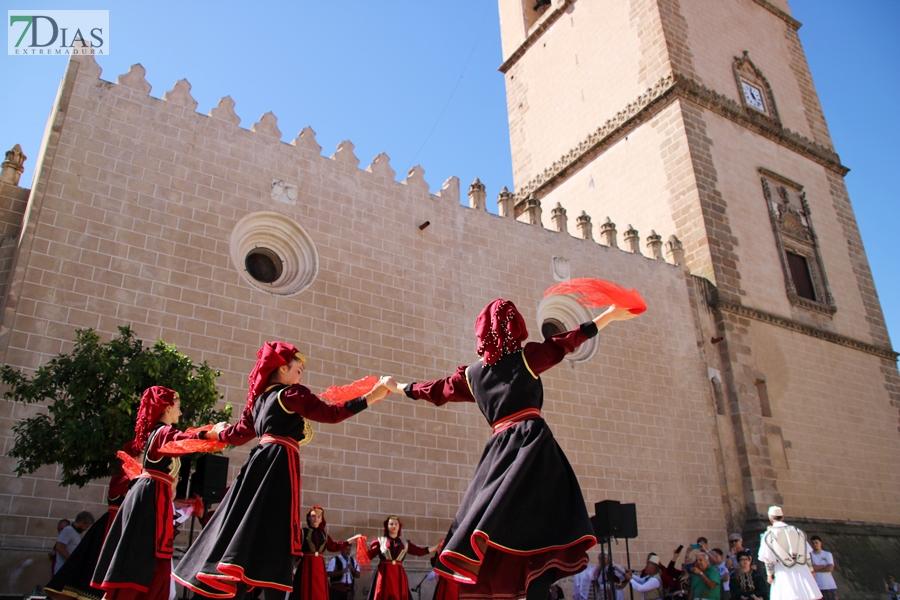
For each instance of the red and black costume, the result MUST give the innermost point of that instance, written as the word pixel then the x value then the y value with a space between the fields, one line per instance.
pixel 257 529
pixel 310 581
pixel 494 544
pixel 136 558
pixel 73 580
pixel 445 588
pixel 390 579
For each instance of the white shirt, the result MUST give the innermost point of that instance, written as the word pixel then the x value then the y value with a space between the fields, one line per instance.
pixel 581 583
pixel 338 563
pixel 68 537
pixel 724 575
pixel 824 580
pixel 646 584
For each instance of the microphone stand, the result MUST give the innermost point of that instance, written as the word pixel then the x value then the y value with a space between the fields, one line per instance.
pixel 418 588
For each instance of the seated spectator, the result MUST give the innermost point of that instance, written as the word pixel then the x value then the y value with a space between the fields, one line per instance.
pixel 69 538
pixel 705 582
pixel 747 583
pixel 649 585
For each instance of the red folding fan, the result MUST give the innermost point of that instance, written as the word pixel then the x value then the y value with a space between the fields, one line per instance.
pixel 130 467
pixel 599 292
pixel 341 394
pixel 180 447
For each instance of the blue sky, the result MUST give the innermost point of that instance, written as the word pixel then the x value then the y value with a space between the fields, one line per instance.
pixel 419 81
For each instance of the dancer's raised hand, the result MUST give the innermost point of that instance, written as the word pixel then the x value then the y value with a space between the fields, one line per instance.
pixel 378 392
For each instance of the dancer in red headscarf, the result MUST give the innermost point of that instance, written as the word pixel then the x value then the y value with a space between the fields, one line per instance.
pixel 310 581
pixel 390 579
pixel 496 546
pixel 136 558
pixel 257 529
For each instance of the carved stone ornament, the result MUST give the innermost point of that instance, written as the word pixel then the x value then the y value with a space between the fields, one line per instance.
pixel 794 234
pixel 561 270
pixel 284 193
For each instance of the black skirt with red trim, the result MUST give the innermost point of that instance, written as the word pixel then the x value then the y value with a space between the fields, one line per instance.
pixel 249 538
pixel 522 515
pixel 128 557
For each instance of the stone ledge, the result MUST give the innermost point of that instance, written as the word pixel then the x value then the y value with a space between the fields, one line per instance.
pixel 759 523
pixel 647 105
pixel 780 14
pixel 759 315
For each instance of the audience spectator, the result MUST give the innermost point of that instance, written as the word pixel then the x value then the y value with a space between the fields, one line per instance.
pixel 747 583
pixel 555 592
pixel 581 583
pixel 650 585
pixel 69 538
pixel 704 547
pixel 705 582
pixel 736 544
pixel 607 578
pixel 63 523
pixel 892 588
pixel 724 574
pixel 823 567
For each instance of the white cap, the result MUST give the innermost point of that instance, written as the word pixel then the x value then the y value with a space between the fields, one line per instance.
pixel 653 559
pixel 775 511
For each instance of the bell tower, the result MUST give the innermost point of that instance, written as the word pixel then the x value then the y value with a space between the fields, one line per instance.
pixel 699 120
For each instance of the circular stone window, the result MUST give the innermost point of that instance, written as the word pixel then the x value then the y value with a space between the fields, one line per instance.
pixel 559 313
pixel 274 253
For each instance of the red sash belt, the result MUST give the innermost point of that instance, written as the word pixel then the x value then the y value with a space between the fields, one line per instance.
pixel 294 473
pixel 165 518
pixel 523 415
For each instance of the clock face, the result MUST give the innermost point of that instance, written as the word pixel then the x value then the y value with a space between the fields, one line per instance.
pixel 753 97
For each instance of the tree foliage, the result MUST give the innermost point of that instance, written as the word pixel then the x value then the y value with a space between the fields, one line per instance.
pixel 92 397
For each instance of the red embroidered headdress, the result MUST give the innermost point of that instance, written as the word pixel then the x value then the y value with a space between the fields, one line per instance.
pixel 399 526
pixel 500 330
pixel 271 356
pixel 154 402
pixel 321 512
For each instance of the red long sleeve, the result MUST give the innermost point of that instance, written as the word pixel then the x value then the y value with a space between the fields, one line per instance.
pixel 415 550
pixel 333 546
pixel 541 356
pixel 167 434
pixel 441 391
pixel 241 432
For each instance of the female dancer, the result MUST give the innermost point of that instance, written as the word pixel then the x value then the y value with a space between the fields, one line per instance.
pixel 136 558
pixel 256 531
pixel 494 543
pixel 310 581
pixel 390 579
pixel 74 578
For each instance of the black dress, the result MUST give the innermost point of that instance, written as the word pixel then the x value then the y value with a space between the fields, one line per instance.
pixel 498 543
pixel 140 538
pixel 257 529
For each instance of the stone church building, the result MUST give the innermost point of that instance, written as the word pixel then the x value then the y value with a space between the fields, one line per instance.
pixel 674 146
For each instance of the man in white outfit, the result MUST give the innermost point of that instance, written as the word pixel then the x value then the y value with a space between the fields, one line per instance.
pixel 786 554
pixel 651 585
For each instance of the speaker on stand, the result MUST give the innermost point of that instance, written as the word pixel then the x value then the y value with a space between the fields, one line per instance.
pixel 612 519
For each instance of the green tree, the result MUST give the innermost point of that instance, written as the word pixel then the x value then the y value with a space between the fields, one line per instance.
pixel 92 397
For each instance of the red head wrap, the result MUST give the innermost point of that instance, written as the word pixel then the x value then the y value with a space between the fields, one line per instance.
pixel 154 402
pixel 500 330
pixel 271 356
pixel 399 529
pixel 319 510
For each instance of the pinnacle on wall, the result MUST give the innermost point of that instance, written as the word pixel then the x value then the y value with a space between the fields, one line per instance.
pixel 13 166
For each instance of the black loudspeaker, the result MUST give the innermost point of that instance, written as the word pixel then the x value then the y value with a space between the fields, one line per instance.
pixel 183 476
pixel 628 521
pixel 607 518
pixel 210 478
pixel 615 520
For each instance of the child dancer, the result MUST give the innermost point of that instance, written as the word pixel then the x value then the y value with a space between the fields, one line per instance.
pixel 390 579
pixel 136 558
pixel 310 581
pixel 496 543
pixel 257 530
